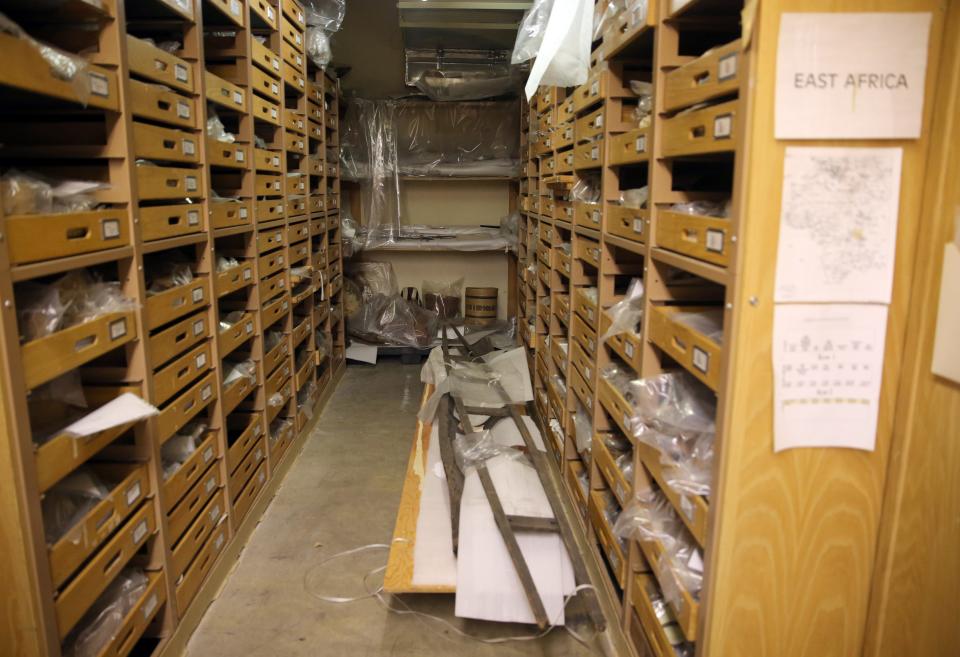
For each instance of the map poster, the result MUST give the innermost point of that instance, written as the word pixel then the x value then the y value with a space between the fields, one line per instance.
pixel 838 225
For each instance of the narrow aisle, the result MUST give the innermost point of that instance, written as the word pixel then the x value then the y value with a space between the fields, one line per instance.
pixel 341 493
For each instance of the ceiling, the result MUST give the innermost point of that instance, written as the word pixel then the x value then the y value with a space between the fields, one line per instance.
pixel 460 24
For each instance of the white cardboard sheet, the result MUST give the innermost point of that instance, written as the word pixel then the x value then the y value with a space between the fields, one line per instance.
pixel 433 560
pixel 124 409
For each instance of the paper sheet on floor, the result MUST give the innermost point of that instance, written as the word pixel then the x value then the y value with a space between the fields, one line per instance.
pixel 364 353
pixel 433 560
pixel 487 584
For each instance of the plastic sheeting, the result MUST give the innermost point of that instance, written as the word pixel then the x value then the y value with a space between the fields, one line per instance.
pixel 453 85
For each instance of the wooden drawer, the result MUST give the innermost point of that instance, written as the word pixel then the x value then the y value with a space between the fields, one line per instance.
pixel 236 391
pixel 608 542
pixel 585 335
pixel 315 112
pixel 582 361
pixel 606 463
pixel 563 135
pixel 565 161
pixel 268 184
pixel 631 147
pixel 176 302
pixel 304 374
pixel 294 11
pixel 712 75
pixel 294 78
pixel 225 93
pixel 274 382
pixel 165 144
pixel 48 357
pixel 248 465
pixel 589 126
pixel 285 392
pixel 628 223
pixel 603 83
pixel 160 183
pixel 561 307
pixel 266 86
pixel 588 156
pixel 264 160
pixel 65 234
pixel 230 156
pixel 294 121
pixel 296 184
pixel 163 221
pixel 572 471
pixel 181 514
pixel 317 203
pixel 250 426
pixel 196 536
pixel 687 609
pixel 627 345
pixel 266 110
pixel 269 210
pixel 173 377
pixel 582 389
pixel 174 340
pixel 237 334
pixel 299 252
pixel 272 263
pixel 157 103
pixel 317 132
pixel 302 328
pixel 265 12
pixel 189 473
pixel 267 240
pixel 158 65
pixel 235 10
pixel 274 310
pixel 298 232
pixel 693 510
pixel 330 119
pixel 129 486
pixel 693 350
pixel 548 166
pixel 563 211
pixel 294 143
pixel 230 213
pixel 242 504
pixel 545 232
pixel 698 236
pixel 585 307
pixel 264 58
pixel 652 633
pixel 292 33
pixel 587 250
pixel 234 278
pixel 296 207
pixel 543 254
pixel 708 130
pixel 274 285
pixel 140 616
pixel 74 600
pixel 276 355
pixel 202 565
pixel 185 407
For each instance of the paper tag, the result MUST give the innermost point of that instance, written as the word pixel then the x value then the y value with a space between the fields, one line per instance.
pixel 140 531
pixel 243 213
pixel 714 240
pixel 149 606
pixel 274 88
pixel 273 112
pixel 235 7
pixel 133 493
pixel 276 160
pixel 590 314
pixel 595 216
pixel 183 110
pixel 207 454
pixel 200 360
pixel 591 345
pixel 215 511
pixel 188 147
pixel 286 305
pixel 727 67
pixel 118 329
pixel 206 392
pixel 180 71
pixel 722 126
pixel 184 4
pixel 276 64
pixel 193 218
pixel 110 229
pixel 240 156
pixel 628 349
pixel 191 183
pixel 638 226
pixel 209 486
pixel 248 328
pixel 99 86
pixel 258 455
pixel 298 39
pixel 247 274
pixel 641 144
pixel 621 491
pixel 197 295
pixel 626 421
pixel 198 327
pixel 594 152
pixel 262 477
pixel 598 122
pixel 595 87
pixel 270 13
pixel 686 506
pixel 701 359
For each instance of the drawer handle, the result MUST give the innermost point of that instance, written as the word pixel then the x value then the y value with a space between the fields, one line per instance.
pixel 678 344
pixel 78 233
pixel 174 220
pixel 701 79
pixel 182 373
pixel 84 343
pixel 698 132
pixel 105 519
pixel 172 182
pixel 690 235
pixel 115 560
pixel 192 471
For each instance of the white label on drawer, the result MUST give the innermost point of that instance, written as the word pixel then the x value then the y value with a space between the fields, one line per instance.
pixel 598 122
pixel 591 345
pixel 276 65
pixel 140 531
pixel 240 155
pixel 184 4
pixel 590 314
pixel 687 507
pixel 641 144
pixel 258 455
pixel 263 477
pixel 197 295
pixel 188 147
pixel 270 13
pixel 626 421
pixel 638 226
pixel 238 97
pixel 243 213
pixel 279 260
pixel 276 185
pixel 280 283
pixel 722 126
pixel 298 39
pixel 276 160
pixel 180 71
pixel 193 218
pixel 300 82
pixel 595 87
pixel 200 360
pixel 586 372
pixel 566 267
pixel 217 544
pixel 594 152
pixel 286 305
pixel 235 7
pixel 256 430
pixel 273 113
pixel 568 133
pixel 595 216
pixel 727 67
pixel 118 329
pixel 149 606
pixel 568 211
pixel 274 89
pixel 133 493
pixel 215 511
pixel 628 349
pixel 701 359
pixel 183 110
pixel 714 240
pixel 247 274
pixel 110 229
pixel 198 327
pixel 302 186
pixel 209 486
pixel 99 86
pixel 206 392
pixel 191 183
pixel 299 18
pixel 207 454
pixel 614 561
pixel 248 328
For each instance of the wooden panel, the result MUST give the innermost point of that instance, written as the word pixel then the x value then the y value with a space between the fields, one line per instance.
pixel 159 183
pixel 173 340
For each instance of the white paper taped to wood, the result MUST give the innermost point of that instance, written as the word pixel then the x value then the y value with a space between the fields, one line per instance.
pixel 433 560
pixel 124 409
pixel 838 224
pixel 851 75
pixel 946 345
pixel 827 368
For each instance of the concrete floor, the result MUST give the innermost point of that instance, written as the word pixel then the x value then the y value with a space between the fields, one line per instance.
pixel 341 493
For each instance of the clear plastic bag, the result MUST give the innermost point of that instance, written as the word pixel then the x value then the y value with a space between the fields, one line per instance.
pixel 169 274
pixel 688 463
pixel 32 193
pixel 443 298
pixel 625 315
pixel 509 229
pixel 317 46
pixel 322 344
pixel 583 429
pixel 271 339
pixel 649 516
pixel 225 263
pixel 305 398
pixel 605 15
pixel 275 400
pixel 634 198
pixel 531 31
pixel 707 322
pixel 216 129
pixel 105 617
pixel 674 403
pixel 328 14
pixel 279 427
pixel 177 449
pixel 719 209
pixel 465 85
pixel 679 569
pixel 474 448
pixel 231 318
pixel 244 369
pixel 586 189
pixel 70 500
pixel 567 62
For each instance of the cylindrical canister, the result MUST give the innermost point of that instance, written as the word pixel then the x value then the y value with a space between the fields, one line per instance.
pixel 480 304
